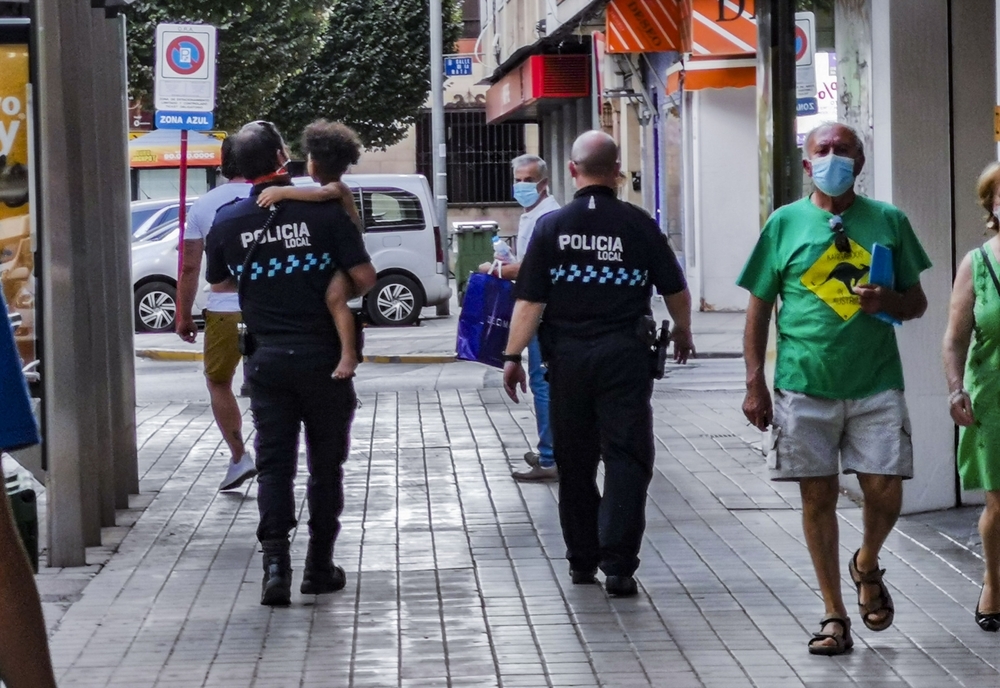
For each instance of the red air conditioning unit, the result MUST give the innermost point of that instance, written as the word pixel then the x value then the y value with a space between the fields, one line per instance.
pixel 560 76
pixel 540 81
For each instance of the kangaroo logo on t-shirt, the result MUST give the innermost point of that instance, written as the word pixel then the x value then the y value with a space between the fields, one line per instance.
pixel 834 275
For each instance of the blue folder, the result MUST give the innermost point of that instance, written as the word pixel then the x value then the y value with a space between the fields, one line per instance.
pixel 881 274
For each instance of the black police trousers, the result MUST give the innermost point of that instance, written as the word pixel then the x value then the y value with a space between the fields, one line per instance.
pixel 290 386
pixel 600 393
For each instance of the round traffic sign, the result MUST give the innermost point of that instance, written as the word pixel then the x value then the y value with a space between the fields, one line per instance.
pixel 185 55
pixel 801 43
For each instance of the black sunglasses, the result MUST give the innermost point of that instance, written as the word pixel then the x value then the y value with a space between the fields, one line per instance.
pixel 840 239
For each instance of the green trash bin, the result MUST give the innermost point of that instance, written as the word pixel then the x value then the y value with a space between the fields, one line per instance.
pixel 21 494
pixel 475 247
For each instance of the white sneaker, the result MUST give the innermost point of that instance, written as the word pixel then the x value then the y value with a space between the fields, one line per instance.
pixel 238 473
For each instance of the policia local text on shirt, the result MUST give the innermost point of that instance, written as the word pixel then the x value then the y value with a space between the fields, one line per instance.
pixel 282 293
pixel 587 278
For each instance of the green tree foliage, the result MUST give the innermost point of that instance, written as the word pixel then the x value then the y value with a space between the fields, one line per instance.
pixel 372 71
pixel 260 45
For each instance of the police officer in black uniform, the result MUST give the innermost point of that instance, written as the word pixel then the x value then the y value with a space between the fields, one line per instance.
pixel 587 278
pixel 293 350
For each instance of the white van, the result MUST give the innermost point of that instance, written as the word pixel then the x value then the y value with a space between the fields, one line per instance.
pixel 405 243
pixel 402 237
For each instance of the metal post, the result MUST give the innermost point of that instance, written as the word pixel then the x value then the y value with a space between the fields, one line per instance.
pixel 121 332
pixel 438 146
pixel 96 147
pixel 780 162
pixel 91 361
pixel 182 210
pixel 60 300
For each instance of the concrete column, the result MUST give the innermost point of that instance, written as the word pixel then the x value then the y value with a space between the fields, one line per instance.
pixel 973 71
pixel 62 303
pixel 921 184
pixel 854 45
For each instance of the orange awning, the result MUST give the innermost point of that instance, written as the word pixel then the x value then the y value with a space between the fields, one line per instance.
pixel 699 73
pixel 721 29
pixel 646 26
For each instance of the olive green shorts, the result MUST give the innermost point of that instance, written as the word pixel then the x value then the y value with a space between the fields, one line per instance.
pixel 222 348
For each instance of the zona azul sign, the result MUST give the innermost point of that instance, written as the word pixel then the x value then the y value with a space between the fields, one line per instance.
pixel 194 121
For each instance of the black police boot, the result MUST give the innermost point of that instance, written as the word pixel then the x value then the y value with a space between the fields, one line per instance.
pixel 621 586
pixel 321 576
pixel 276 588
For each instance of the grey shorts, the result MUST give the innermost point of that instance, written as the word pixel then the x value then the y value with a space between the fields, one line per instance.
pixel 812 437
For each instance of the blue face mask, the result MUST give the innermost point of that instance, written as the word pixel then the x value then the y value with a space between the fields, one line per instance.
pixel 526 193
pixel 833 174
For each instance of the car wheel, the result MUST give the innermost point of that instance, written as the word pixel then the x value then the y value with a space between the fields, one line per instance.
pixel 395 300
pixel 155 307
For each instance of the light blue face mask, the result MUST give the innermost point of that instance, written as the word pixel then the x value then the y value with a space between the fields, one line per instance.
pixel 526 193
pixel 833 174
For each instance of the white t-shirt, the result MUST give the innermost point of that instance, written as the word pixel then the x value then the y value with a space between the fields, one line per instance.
pixel 199 224
pixel 526 225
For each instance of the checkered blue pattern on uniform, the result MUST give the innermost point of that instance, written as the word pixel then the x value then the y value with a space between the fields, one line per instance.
pixel 603 275
pixel 291 264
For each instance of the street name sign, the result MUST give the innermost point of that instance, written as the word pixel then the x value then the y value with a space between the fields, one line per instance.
pixel 458 66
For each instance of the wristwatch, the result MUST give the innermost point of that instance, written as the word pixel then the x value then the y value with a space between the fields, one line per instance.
pixel 512 358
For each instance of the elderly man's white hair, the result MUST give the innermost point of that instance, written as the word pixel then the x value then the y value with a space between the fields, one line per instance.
pixel 859 143
pixel 529 159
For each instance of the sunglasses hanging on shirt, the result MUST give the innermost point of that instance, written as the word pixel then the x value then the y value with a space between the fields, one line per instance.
pixel 840 239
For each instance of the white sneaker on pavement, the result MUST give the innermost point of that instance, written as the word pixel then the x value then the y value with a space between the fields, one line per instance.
pixel 238 473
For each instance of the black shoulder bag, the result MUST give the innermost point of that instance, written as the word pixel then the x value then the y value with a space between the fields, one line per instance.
pixel 989 266
pixel 247 343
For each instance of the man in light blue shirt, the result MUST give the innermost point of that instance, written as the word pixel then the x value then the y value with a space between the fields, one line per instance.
pixel 222 319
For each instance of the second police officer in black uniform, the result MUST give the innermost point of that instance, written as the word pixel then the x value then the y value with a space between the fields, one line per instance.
pixel 283 274
pixel 587 278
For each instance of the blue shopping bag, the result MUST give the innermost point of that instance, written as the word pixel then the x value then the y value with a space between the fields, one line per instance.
pixel 484 323
pixel 17 423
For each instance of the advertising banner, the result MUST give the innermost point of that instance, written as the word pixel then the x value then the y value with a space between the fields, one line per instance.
pixel 17 263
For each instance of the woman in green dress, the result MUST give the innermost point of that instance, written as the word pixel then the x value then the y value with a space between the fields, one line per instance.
pixel 972 366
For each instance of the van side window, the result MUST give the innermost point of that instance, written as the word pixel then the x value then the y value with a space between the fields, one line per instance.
pixel 391 210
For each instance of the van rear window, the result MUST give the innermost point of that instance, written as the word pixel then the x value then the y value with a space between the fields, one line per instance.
pixel 391 210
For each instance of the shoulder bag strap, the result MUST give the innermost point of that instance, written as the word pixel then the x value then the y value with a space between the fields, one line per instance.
pixel 268 225
pixel 989 266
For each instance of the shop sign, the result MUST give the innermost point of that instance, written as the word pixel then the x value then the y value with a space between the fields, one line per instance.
pixel 17 264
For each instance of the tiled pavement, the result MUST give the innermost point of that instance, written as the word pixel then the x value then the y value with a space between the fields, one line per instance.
pixel 456 576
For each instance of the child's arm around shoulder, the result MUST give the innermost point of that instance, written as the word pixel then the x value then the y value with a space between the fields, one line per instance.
pixel 309 194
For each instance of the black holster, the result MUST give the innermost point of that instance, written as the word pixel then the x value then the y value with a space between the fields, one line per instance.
pixel 247 342
pixel 655 343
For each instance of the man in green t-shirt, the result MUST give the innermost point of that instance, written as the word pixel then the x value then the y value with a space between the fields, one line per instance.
pixel 838 400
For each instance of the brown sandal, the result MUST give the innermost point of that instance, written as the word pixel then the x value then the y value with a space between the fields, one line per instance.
pixel 881 603
pixel 843 642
